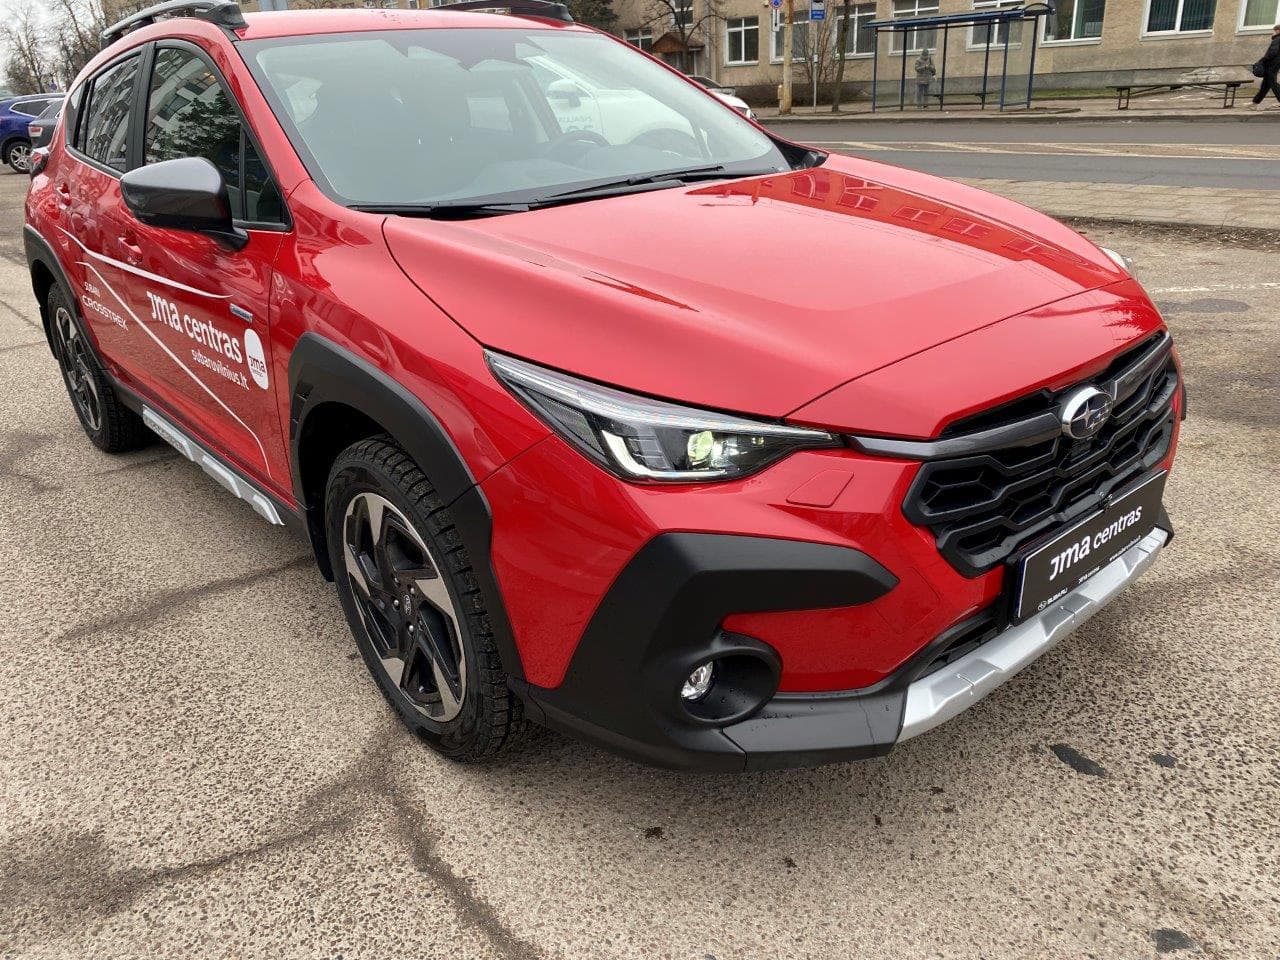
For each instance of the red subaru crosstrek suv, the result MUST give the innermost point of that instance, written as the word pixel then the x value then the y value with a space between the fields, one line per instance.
pixel 602 406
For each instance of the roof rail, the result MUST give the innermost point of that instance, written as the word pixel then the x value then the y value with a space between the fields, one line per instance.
pixel 547 9
pixel 225 13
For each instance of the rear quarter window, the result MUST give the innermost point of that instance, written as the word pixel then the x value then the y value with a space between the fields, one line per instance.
pixel 104 134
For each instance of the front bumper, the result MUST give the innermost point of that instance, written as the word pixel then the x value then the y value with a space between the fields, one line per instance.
pixel 941 695
pixel 620 689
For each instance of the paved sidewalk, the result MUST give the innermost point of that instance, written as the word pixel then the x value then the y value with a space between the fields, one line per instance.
pixel 1181 106
pixel 1222 209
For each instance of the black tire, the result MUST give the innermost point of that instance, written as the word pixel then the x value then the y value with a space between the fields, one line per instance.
pixel 377 475
pixel 111 425
pixel 17 154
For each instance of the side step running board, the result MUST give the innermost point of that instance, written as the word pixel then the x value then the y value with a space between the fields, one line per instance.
pixel 231 479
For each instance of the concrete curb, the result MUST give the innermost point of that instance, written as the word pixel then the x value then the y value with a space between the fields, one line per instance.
pixel 1173 226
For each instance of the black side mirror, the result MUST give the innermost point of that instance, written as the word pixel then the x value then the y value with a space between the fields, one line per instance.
pixel 183 194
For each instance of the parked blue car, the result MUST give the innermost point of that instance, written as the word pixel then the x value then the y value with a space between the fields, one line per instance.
pixel 15 114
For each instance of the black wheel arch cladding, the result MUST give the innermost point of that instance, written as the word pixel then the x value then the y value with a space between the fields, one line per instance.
pixel 322 372
pixel 40 256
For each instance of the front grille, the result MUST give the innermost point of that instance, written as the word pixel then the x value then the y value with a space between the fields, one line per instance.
pixel 996 483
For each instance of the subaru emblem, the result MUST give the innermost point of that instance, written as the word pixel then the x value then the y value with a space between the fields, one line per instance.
pixel 1084 412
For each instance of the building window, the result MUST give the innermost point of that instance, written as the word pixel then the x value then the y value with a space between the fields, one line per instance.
pixel 1075 20
pixel 859 39
pixel 917 40
pixel 682 14
pixel 642 38
pixel 742 43
pixel 1259 14
pixel 996 33
pixel 799 37
pixel 413 4
pixel 1179 16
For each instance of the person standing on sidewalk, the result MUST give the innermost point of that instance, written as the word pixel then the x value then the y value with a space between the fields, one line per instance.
pixel 1270 64
pixel 924 78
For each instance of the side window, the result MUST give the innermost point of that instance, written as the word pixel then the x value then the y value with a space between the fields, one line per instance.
pixel 189 114
pixel 74 100
pixel 262 201
pixel 104 133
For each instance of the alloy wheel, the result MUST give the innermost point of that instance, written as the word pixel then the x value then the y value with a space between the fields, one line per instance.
pixel 74 360
pixel 405 606
pixel 20 157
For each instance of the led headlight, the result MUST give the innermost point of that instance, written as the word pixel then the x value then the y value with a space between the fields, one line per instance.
pixel 642 439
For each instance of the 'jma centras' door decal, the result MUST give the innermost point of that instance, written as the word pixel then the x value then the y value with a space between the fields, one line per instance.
pixel 225 347
pixel 129 268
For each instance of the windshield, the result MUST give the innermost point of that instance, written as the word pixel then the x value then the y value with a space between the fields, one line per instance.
pixel 452 115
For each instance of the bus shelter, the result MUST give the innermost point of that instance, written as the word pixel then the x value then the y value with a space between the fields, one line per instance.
pixel 992 53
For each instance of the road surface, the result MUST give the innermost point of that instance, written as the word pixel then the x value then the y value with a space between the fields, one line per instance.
pixel 1187 153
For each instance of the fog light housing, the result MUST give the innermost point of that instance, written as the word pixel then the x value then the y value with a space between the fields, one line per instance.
pixel 698 683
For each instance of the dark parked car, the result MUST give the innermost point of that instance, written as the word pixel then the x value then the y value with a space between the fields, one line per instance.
pixel 15 115
pixel 40 130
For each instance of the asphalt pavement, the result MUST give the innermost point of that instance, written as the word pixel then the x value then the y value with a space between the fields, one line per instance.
pixel 1187 153
pixel 194 763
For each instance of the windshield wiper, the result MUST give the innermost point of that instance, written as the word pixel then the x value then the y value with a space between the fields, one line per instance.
pixel 467 209
pixel 444 210
pixel 673 178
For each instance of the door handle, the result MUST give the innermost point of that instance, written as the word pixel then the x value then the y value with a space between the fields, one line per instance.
pixel 131 248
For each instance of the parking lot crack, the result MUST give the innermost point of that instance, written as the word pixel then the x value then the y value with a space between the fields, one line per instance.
pixel 20 315
pixel 17 447
pixel 166 603
pixel 22 346
pixel 68 884
pixel 372 781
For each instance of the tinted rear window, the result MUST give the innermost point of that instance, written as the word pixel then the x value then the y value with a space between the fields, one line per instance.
pixel 105 129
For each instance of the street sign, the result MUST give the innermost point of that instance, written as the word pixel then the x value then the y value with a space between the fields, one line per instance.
pixel 775 3
pixel 817 10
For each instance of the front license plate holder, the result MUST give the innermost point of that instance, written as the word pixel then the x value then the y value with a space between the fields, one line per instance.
pixel 1056 566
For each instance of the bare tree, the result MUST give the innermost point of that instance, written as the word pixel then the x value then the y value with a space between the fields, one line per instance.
pixel 682 19
pixel 25 38
pixel 594 13
pixel 815 41
pixel 842 44
pixel 47 53
pixel 76 31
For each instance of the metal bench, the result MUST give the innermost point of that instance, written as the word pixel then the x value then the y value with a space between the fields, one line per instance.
pixel 1229 88
pixel 979 96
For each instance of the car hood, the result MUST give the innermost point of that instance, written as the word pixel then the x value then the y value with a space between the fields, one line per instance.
pixel 752 295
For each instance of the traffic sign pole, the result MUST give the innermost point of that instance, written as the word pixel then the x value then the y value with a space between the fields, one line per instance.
pixel 788 11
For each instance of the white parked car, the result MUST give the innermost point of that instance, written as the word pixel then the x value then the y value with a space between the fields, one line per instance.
pixel 727 94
